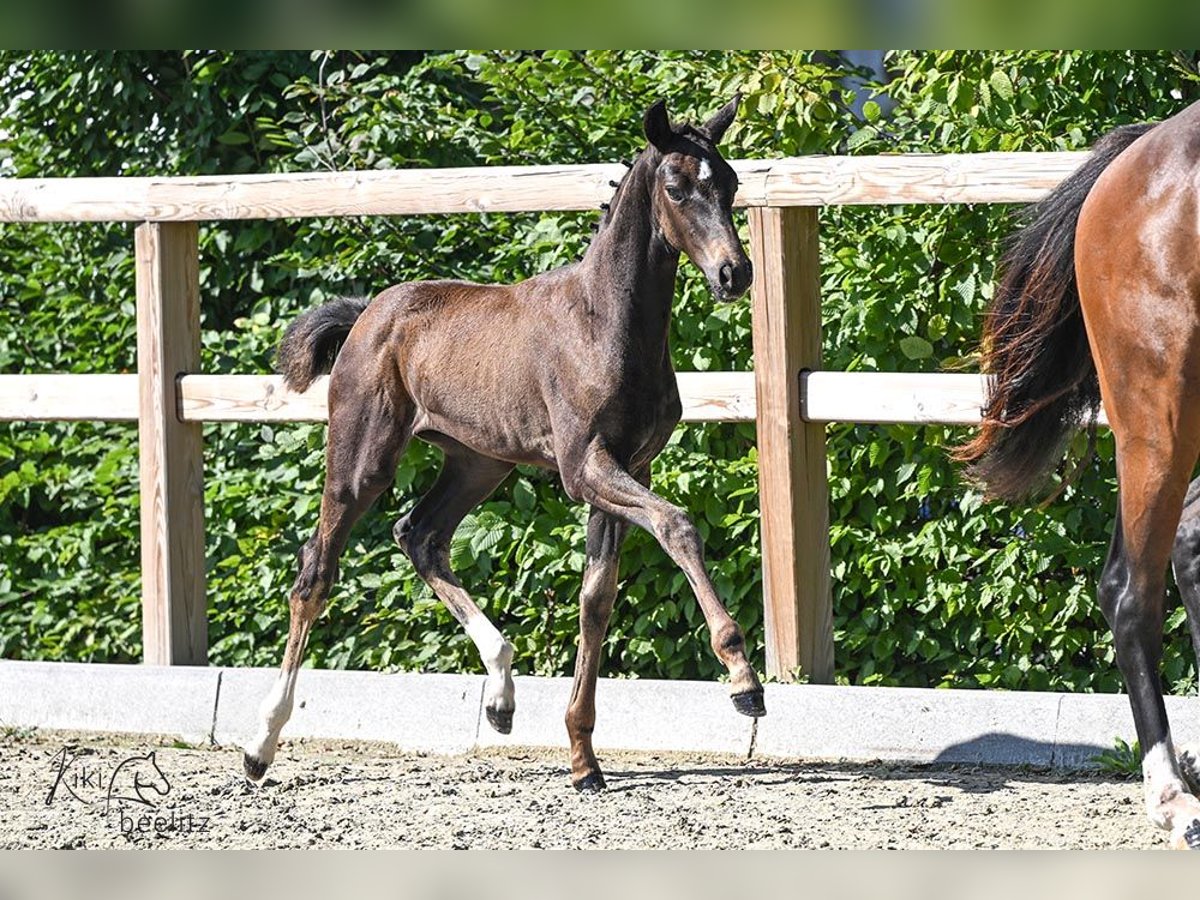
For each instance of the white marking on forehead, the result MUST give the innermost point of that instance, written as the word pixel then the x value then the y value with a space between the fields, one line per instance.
pixel 705 170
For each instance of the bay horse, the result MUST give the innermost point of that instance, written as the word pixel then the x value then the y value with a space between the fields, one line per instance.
pixel 569 370
pixel 1099 301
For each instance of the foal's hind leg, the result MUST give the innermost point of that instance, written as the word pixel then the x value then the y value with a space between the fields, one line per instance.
pixel 466 480
pixel 608 486
pixel 366 437
pixel 604 537
pixel 1186 560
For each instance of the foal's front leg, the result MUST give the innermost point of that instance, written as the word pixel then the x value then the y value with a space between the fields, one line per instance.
pixel 604 537
pixel 609 487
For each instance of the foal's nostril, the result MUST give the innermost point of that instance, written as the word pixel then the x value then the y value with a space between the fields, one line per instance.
pixel 726 275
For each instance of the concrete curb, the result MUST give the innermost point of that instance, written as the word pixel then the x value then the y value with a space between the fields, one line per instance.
pixel 444 714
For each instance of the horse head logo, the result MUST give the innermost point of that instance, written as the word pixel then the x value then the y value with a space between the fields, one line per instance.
pixel 138 780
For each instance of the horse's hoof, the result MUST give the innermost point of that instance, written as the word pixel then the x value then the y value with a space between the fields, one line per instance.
pixel 1189 767
pixel 592 783
pixel 1191 835
pixel 750 703
pixel 255 769
pixel 500 719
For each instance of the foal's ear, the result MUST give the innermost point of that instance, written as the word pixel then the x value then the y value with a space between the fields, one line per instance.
pixel 716 127
pixel 658 127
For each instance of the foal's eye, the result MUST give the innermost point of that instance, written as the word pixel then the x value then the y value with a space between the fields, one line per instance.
pixel 674 192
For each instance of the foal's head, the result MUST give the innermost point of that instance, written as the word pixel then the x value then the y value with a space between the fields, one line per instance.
pixel 692 197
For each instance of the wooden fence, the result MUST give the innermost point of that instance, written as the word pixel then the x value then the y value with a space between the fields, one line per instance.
pixel 787 395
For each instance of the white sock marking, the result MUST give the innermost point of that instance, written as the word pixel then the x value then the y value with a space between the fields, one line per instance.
pixel 273 714
pixel 1160 778
pixel 1168 803
pixel 496 653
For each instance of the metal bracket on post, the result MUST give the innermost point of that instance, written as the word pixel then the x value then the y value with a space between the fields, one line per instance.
pixel 174 611
pixel 793 479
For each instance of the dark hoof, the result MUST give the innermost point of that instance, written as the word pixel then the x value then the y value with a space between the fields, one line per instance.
pixel 1191 837
pixel 500 719
pixel 591 784
pixel 1190 769
pixel 750 703
pixel 255 769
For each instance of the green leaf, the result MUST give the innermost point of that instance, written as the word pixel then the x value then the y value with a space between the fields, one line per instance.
pixel 1002 85
pixel 864 135
pixel 915 347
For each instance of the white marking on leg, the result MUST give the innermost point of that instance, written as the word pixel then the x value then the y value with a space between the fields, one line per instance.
pixel 497 655
pixel 1168 803
pixel 1161 781
pixel 273 714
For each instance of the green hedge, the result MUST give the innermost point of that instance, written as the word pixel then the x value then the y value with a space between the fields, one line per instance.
pixel 932 587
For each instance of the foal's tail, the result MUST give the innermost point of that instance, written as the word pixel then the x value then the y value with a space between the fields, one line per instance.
pixel 1043 379
pixel 312 342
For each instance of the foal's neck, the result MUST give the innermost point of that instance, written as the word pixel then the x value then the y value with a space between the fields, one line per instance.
pixel 630 265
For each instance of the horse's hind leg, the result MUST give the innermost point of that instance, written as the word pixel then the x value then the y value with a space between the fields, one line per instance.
pixel 1153 469
pixel 604 537
pixel 1186 560
pixel 367 435
pixel 466 480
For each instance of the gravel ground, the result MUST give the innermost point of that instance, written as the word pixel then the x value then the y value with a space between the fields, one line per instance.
pixel 327 794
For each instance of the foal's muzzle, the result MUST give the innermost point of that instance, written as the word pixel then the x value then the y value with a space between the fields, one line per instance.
pixel 733 278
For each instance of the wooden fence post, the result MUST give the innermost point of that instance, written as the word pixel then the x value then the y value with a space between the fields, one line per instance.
pixel 792 475
pixel 174 613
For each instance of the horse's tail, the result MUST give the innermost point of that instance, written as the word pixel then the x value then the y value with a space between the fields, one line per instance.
pixel 311 343
pixel 1042 377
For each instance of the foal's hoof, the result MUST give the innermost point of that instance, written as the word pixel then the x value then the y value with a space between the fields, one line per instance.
pixel 500 719
pixel 592 783
pixel 254 768
pixel 750 703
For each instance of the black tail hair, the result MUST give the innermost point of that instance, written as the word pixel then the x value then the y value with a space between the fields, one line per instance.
pixel 311 343
pixel 1043 379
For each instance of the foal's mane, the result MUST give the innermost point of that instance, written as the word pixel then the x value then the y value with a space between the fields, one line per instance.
pixel 620 185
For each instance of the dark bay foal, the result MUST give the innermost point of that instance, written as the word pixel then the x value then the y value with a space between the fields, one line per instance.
pixel 569 370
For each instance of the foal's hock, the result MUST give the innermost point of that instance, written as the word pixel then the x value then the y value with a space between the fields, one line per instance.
pixel 570 371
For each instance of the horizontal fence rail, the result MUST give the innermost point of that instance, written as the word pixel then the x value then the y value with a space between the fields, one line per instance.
pixel 706 396
pixel 788 396
pixel 864 398
pixel 808 181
